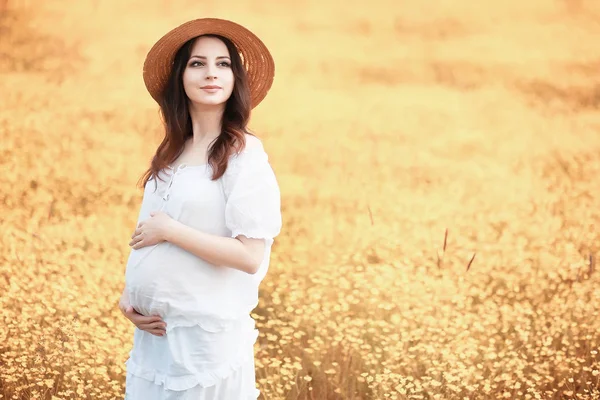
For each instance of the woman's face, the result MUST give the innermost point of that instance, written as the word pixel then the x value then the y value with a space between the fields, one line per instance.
pixel 209 66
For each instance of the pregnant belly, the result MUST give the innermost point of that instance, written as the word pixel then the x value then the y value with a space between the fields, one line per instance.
pixel 172 282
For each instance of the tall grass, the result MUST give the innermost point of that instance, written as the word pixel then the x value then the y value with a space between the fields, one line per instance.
pixel 439 166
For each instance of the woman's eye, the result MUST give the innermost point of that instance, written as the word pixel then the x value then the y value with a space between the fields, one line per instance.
pixel 225 64
pixel 194 62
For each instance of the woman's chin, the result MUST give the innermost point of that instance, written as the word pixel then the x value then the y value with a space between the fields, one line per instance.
pixel 208 102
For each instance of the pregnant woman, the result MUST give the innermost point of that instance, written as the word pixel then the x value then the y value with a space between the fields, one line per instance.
pixel 209 215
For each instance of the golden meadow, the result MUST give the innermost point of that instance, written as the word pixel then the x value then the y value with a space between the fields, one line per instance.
pixel 439 165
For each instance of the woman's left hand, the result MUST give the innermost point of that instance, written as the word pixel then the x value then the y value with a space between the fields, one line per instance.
pixel 151 231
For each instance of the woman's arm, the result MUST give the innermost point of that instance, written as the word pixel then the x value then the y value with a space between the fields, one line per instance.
pixel 242 253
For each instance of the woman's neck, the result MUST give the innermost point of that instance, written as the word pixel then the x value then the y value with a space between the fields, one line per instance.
pixel 206 123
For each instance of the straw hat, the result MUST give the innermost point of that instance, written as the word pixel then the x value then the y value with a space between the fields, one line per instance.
pixel 256 58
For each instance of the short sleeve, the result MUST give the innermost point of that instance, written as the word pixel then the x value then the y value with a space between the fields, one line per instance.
pixel 253 199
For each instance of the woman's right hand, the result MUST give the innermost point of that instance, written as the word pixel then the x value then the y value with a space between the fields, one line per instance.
pixel 152 324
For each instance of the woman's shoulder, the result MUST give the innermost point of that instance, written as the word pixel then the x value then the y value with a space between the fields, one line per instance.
pixel 252 152
pixel 252 143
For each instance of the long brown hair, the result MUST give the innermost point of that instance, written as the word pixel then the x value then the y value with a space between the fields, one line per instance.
pixel 176 118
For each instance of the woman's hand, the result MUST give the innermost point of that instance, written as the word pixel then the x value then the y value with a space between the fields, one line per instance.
pixel 152 324
pixel 151 231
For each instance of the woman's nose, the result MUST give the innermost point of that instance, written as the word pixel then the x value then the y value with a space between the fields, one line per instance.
pixel 211 73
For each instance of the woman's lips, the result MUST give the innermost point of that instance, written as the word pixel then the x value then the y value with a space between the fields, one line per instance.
pixel 211 89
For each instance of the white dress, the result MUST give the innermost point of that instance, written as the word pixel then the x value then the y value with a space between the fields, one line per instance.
pixel 208 351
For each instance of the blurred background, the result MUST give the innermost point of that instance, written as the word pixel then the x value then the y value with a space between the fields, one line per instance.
pixel 439 167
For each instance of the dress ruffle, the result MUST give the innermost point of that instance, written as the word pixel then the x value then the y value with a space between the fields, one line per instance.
pixel 186 382
pixel 187 375
pixel 237 386
pixel 208 323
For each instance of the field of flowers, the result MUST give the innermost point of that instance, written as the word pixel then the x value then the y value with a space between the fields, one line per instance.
pixel 439 164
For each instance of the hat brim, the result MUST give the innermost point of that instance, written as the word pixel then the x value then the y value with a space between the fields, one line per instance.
pixel 256 58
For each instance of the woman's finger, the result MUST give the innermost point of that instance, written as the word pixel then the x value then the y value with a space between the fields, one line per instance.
pixel 148 328
pixel 155 332
pixel 137 241
pixel 136 238
pixel 136 232
pixel 154 325
pixel 141 319
pixel 138 318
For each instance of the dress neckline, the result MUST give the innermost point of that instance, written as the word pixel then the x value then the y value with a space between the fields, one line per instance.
pixel 185 166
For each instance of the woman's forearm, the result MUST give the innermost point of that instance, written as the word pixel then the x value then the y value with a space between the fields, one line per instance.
pixel 217 250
